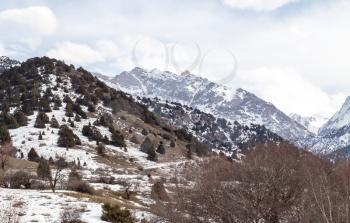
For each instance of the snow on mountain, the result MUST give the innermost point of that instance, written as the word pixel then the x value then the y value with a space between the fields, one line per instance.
pixel 221 101
pixel 339 120
pixel 313 124
pixel 232 138
pixel 333 136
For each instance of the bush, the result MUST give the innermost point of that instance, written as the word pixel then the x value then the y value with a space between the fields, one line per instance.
pixel 70 215
pixel 4 134
pixel 33 155
pixel 81 187
pixel 152 155
pixel 43 170
pixel 114 214
pixel 92 133
pixel 161 148
pixel 147 145
pixel 101 149
pixel 117 138
pixel 19 179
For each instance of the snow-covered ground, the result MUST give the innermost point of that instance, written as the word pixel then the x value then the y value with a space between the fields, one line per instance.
pixel 45 206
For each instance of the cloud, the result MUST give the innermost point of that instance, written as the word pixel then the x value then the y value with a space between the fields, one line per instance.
pixel 75 53
pixel 257 5
pixel 286 88
pixel 26 27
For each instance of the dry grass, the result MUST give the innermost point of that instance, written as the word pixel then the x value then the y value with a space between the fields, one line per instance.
pixel 102 199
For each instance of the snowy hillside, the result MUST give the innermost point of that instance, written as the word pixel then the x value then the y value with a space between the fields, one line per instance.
pixel 194 91
pixel 57 112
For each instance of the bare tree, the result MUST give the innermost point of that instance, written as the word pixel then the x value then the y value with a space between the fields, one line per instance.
pixel 44 171
pixel 264 187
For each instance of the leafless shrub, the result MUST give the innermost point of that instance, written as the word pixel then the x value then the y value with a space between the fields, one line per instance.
pixel 70 215
pixel 273 183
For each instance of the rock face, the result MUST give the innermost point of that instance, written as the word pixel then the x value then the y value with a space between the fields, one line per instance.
pixel 6 63
pixel 218 100
pixel 219 133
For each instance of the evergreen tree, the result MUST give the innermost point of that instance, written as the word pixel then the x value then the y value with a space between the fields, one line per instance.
pixel 44 105
pixel 67 138
pixel 21 118
pixel 41 120
pixel 77 118
pixel 33 155
pixel 27 107
pixel 10 121
pixel 40 136
pixel 54 123
pixel 69 110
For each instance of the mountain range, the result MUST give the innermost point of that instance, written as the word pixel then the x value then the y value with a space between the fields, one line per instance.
pixel 237 105
pixel 191 90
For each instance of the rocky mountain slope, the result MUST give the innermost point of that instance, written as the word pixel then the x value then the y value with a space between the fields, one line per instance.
pixel 6 63
pixel 220 101
pixel 216 132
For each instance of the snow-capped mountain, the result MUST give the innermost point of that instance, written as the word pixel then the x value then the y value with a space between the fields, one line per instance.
pixel 232 138
pixel 338 121
pixel 6 63
pixel 313 124
pixel 218 100
pixel 333 136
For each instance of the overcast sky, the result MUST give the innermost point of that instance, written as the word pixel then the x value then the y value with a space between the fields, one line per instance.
pixel 293 53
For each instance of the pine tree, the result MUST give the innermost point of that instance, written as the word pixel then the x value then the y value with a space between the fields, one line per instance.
pixel 33 155
pixel 67 138
pixel 40 136
pixel 41 120
pixel 21 118
pixel 44 105
pixel 11 121
pixel 77 118
pixel 69 110
pixel 54 123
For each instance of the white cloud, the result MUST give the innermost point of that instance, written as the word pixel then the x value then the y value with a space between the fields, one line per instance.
pixel 26 27
pixel 289 91
pixel 75 53
pixel 257 5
